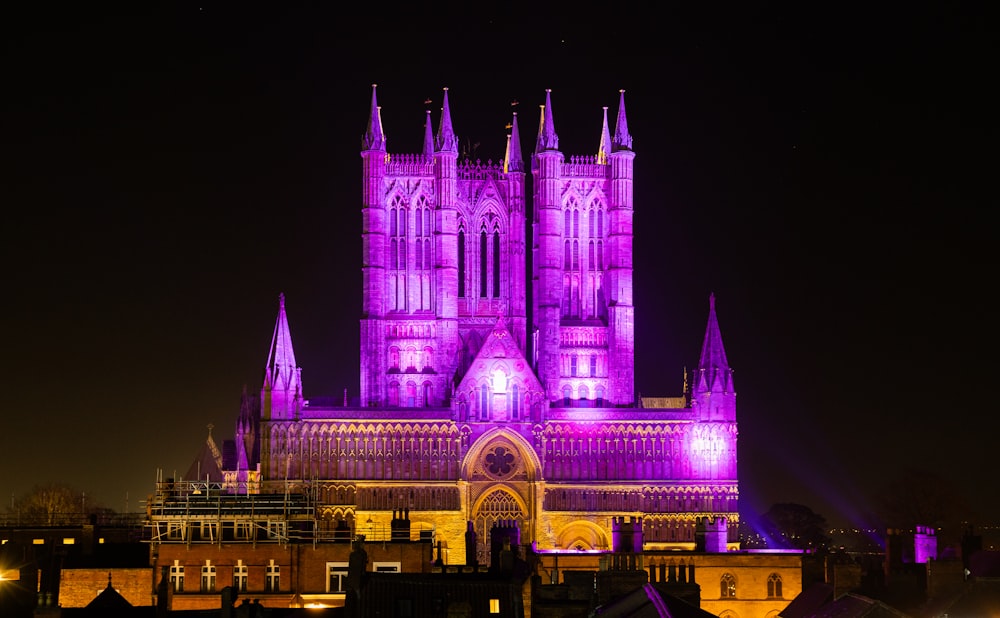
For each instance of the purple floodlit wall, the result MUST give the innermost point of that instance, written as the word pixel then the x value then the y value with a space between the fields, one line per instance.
pixel 467 411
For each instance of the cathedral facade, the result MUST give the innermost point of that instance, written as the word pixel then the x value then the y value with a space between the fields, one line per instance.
pixel 495 388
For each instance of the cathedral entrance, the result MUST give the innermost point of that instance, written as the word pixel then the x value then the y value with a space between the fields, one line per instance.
pixel 496 506
pixel 501 469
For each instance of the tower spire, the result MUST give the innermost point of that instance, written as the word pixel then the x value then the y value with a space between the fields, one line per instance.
pixel 714 373
pixel 622 141
pixel 282 377
pixel 604 149
pixel 374 138
pixel 428 136
pixel 512 161
pixel 446 140
pixel 547 138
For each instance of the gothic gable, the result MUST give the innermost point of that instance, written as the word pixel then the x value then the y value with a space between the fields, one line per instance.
pixel 499 364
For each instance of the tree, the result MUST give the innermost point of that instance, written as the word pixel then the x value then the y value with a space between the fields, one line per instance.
pixel 795 526
pixel 918 497
pixel 52 504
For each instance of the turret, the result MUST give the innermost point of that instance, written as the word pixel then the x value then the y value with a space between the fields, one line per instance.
pixel 281 394
pixel 713 396
pixel 604 148
pixel 446 243
pixel 373 243
pixel 428 136
pixel 513 166
pixel 547 167
pixel 618 285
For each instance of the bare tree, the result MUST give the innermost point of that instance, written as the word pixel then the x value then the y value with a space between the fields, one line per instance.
pixel 51 504
pixel 795 526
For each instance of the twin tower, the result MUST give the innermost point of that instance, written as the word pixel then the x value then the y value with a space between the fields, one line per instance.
pixel 446 271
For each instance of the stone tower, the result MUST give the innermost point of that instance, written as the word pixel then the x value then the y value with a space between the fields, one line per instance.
pixel 582 267
pixel 443 250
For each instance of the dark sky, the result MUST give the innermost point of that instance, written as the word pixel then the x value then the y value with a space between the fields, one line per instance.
pixel 167 173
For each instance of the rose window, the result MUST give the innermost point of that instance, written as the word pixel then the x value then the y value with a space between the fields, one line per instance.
pixel 500 462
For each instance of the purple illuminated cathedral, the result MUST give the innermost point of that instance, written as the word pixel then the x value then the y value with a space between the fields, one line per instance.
pixel 478 407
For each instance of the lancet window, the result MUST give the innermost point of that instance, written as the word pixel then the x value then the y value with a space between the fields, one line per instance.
pixel 774 586
pixel 727 586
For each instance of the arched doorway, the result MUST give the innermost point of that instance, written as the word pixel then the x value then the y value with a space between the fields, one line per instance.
pixel 498 505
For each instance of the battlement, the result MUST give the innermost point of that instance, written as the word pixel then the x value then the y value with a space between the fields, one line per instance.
pixel 585 166
pixel 409 165
pixel 711 534
pixel 480 171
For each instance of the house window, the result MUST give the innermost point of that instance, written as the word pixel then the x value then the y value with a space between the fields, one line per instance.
pixel 175 531
pixel 240 576
pixel 572 365
pixel 336 576
pixel 728 586
pixel 275 529
pixel 208 577
pixel 494 606
pixel 272 577
pixel 386 567
pixel 774 586
pixel 593 365
pixel 177 576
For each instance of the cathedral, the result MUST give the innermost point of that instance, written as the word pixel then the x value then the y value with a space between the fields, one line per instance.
pixel 497 386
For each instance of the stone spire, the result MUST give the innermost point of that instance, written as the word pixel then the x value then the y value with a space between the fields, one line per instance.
pixel 547 138
pixel 714 373
pixel 622 141
pixel 513 162
pixel 282 377
pixel 374 138
pixel 604 149
pixel 446 140
pixel 428 136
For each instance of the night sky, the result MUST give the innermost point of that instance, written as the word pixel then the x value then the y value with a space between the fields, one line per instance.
pixel 166 174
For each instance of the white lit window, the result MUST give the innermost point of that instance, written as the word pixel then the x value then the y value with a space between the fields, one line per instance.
pixel 386 567
pixel 177 576
pixel 240 576
pixel 208 577
pixel 336 576
pixel 272 577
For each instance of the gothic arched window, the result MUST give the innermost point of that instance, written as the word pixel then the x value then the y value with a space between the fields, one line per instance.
pixel 774 586
pixel 496 264
pixel 727 586
pixel 515 402
pixel 482 264
pixel 483 402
